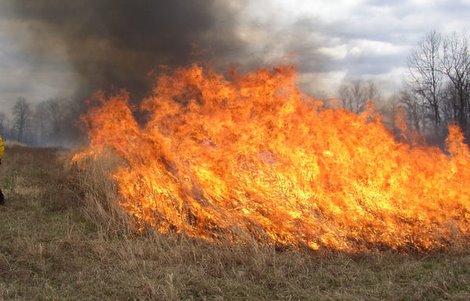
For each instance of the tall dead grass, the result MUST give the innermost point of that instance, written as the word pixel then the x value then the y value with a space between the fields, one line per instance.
pixel 64 237
pixel 99 195
pixel 180 268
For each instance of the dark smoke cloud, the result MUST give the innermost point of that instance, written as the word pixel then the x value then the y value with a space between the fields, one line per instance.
pixel 116 43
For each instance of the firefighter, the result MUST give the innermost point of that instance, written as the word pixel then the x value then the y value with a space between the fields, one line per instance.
pixel 2 151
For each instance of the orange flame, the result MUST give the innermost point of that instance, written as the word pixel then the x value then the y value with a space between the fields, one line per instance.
pixel 251 156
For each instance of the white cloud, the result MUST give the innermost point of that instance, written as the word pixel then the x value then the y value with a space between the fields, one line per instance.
pixel 342 38
pixel 337 52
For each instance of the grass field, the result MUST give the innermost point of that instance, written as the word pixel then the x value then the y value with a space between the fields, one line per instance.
pixel 61 238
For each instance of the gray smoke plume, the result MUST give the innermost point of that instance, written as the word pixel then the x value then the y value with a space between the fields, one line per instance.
pixel 117 43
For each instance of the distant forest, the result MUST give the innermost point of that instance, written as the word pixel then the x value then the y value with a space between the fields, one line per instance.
pixel 53 122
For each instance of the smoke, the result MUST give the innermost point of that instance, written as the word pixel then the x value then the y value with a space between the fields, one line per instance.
pixel 117 43
pixel 92 45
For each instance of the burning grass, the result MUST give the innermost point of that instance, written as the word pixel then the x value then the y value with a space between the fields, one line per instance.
pixel 250 157
pixel 63 238
pixel 172 211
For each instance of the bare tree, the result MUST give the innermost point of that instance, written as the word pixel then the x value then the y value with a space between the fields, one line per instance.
pixel 21 115
pixel 49 119
pixel 355 94
pixel 413 109
pixel 41 119
pixel 426 77
pixel 439 81
pixel 57 113
pixel 456 67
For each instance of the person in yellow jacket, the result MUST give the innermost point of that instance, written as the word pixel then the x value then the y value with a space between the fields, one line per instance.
pixel 2 152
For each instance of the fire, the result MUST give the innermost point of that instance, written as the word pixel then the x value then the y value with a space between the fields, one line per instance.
pixel 250 156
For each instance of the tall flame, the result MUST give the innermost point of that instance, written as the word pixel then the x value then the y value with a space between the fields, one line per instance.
pixel 249 156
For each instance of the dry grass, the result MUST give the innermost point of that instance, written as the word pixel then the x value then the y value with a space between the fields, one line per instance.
pixel 63 237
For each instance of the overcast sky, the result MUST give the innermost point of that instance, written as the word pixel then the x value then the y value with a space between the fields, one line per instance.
pixel 43 56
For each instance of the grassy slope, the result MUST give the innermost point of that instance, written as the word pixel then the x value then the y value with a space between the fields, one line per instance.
pixel 51 249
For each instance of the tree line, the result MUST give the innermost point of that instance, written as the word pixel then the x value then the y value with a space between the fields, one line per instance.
pixel 53 122
pixel 435 92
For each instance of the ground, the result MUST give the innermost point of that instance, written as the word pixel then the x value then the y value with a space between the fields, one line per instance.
pixel 53 248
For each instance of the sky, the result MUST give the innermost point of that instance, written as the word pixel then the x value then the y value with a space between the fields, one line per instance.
pixel 54 48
